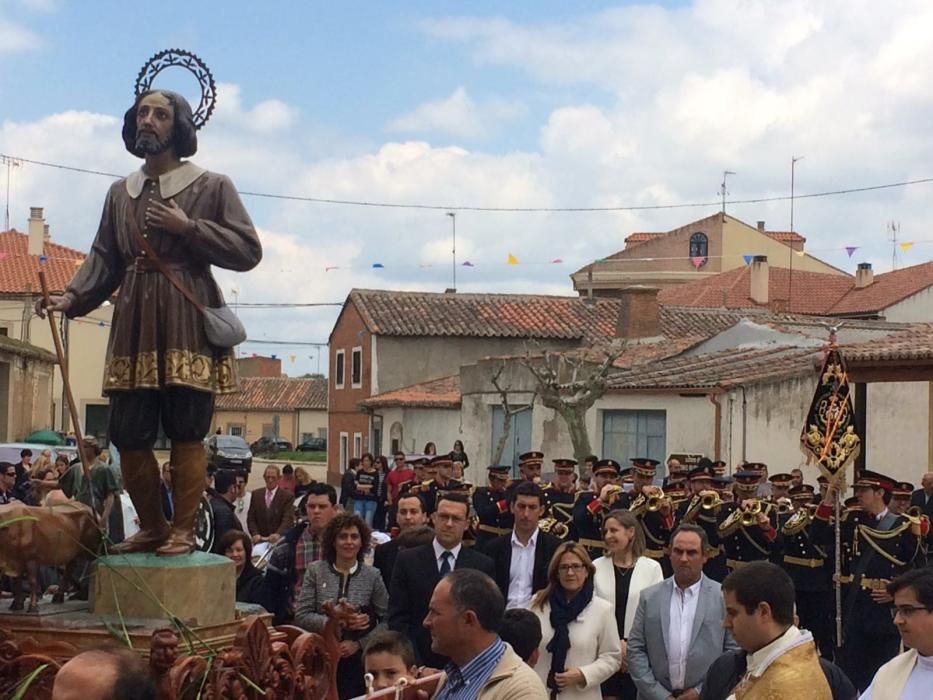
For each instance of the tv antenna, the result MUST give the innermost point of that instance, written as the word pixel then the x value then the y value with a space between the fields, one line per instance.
pixel 723 191
pixel 893 229
pixel 10 163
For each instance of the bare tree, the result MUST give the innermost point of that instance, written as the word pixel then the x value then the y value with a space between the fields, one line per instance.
pixel 508 410
pixel 570 383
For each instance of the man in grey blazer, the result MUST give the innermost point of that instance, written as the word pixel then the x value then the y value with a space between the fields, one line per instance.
pixel 677 632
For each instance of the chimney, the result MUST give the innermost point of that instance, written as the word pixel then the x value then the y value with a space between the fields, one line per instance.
pixel 46 235
pixel 761 226
pixel 639 313
pixel 36 231
pixel 864 276
pixel 759 284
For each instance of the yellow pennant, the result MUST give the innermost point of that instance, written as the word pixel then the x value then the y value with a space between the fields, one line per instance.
pixel 512 260
pixel 906 246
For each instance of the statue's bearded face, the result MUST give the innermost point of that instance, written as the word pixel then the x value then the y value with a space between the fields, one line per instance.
pixel 155 122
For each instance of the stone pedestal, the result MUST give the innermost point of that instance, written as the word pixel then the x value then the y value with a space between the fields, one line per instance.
pixel 198 589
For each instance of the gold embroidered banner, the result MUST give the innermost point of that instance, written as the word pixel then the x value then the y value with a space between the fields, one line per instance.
pixel 830 434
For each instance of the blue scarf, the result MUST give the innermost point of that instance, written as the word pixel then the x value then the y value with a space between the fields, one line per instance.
pixel 563 612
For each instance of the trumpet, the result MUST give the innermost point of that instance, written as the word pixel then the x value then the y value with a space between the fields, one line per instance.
pixel 784 506
pixel 654 502
pixel 710 500
pixel 751 511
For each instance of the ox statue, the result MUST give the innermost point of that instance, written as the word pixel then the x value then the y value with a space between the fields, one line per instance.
pixel 34 536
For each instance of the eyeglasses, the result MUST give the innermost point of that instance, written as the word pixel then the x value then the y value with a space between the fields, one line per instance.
pixel 907 611
pixel 566 568
pixel 450 518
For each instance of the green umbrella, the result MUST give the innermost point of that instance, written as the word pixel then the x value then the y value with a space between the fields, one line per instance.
pixel 46 437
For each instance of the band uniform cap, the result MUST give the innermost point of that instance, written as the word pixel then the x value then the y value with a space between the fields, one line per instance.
pixel 804 492
pixel 441 460
pixel 565 465
pixel 531 458
pixel 499 471
pixel 781 479
pixel 874 480
pixel 754 467
pixel 607 466
pixel 722 481
pixel 747 477
pixel 644 466
pixel 852 503
pixel 676 480
pixel 676 490
pixel 903 489
pixel 701 472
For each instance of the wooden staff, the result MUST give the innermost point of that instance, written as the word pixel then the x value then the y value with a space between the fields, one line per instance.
pixel 63 364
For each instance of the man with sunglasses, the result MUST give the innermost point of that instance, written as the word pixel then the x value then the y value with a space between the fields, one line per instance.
pixel 7 483
pixel 909 676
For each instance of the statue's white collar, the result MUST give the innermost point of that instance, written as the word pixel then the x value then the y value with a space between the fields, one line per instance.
pixel 170 184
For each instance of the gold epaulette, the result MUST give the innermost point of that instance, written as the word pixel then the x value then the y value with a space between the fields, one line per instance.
pixel 797 523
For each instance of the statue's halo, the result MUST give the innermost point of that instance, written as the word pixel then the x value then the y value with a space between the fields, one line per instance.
pixel 184 59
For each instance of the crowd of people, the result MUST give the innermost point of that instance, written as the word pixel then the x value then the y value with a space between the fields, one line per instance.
pixel 602 583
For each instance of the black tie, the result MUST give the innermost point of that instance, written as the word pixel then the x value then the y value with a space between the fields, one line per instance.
pixel 445 563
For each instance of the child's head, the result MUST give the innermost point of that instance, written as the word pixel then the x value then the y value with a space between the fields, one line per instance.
pixel 521 629
pixel 388 657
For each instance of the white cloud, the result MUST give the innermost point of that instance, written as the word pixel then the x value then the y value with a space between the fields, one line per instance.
pixel 457 115
pixel 680 95
pixel 15 38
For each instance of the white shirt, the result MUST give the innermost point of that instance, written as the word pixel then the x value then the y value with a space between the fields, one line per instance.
pixel 918 683
pixel 683 612
pixel 241 505
pixel 521 571
pixel 439 553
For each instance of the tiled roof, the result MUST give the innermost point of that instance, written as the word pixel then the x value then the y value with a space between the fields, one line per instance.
pixel 786 236
pixel 275 394
pixel 915 343
pixel 716 370
pixel 644 236
pixel 19 270
pixel 813 292
pixel 485 315
pixel 437 393
pixel 886 289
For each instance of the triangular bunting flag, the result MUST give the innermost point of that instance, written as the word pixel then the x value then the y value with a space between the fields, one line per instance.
pixel 556 261
pixel 332 267
pixel 42 258
pixel 511 260
pixel 851 249
pixel 467 263
pixel 378 266
pixel 697 261
pixel 747 258
pixel 906 246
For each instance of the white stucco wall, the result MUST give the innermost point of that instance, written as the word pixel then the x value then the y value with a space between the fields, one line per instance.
pixel 918 307
pixel 421 425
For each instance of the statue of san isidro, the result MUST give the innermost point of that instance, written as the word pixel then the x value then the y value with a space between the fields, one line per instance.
pixel 160 365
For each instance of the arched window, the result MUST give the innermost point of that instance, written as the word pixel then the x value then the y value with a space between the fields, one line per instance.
pixel 699 245
pixel 395 437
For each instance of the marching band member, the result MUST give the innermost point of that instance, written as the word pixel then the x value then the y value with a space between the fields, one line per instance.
pixel 877 546
pixel 491 505
pixel 591 506
pixel 747 532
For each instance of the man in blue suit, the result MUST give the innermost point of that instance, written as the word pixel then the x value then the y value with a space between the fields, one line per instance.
pixel 677 632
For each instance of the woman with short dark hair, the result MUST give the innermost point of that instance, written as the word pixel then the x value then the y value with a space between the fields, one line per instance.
pixel 237 546
pixel 343 575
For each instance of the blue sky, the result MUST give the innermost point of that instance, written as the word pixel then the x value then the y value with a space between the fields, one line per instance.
pixel 533 104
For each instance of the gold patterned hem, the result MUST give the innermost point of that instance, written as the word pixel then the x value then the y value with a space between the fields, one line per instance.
pixel 180 368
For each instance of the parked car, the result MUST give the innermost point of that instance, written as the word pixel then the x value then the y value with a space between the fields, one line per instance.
pixel 315 444
pixel 228 452
pixel 266 445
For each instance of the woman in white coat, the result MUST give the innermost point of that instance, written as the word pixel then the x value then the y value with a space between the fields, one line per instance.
pixel 620 578
pixel 579 645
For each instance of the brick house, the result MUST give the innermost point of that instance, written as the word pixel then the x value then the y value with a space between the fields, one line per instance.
pixel 286 408
pixel 384 340
pixel 694 251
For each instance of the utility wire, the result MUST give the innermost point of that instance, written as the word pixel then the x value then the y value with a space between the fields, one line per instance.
pixel 546 210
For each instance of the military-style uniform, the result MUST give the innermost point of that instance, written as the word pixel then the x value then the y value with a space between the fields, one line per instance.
pixel 491 506
pixel 589 511
pixel 656 526
pixel 559 505
pixel 743 543
pixel 875 550
pixel 810 567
